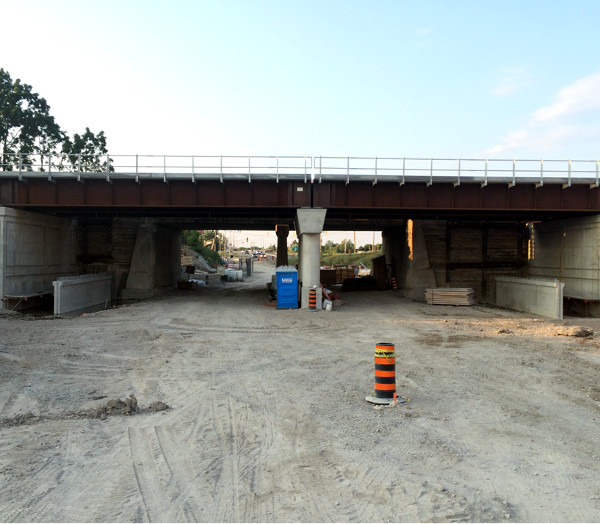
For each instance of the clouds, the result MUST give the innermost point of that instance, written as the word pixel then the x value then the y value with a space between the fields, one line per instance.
pixel 514 79
pixel 582 96
pixel 565 126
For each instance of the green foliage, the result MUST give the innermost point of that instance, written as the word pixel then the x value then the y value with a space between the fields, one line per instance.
pixel 27 130
pixel 349 259
pixel 26 126
pixel 345 246
pixel 87 152
pixel 194 240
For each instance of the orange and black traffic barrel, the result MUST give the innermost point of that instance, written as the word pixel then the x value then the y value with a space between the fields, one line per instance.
pixel 385 371
pixel 312 299
pixel 394 283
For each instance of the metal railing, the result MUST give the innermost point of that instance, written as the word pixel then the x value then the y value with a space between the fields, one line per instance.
pixel 306 168
pixel 162 167
pixel 457 170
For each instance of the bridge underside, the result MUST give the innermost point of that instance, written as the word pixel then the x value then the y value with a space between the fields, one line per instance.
pixel 263 204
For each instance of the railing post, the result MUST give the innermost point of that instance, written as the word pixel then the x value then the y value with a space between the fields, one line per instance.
pixel 277 169
pixel 485 174
pixel 541 173
pixel 375 181
pixel 430 172
pixel 348 171
pixel 320 167
pixel 403 170
pixel 165 169
pixel 458 175
pixel 597 181
pixel 514 173
pixel 569 177
pixel 249 171
pixel 193 171
pixel 107 168
pixel 221 169
pixel 137 173
pixel 21 166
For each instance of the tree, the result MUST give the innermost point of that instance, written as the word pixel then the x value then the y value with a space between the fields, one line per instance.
pixel 329 247
pixel 87 152
pixel 26 126
pixel 345 246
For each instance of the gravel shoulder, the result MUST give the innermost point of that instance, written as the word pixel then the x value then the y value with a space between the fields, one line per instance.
pixel 248 413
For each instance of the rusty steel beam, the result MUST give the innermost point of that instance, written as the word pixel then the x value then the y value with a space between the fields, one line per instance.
pixel 466 197
pixel 153 194
pixel 363 204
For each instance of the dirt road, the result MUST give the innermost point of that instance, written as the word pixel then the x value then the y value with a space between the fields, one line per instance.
pixel 267 419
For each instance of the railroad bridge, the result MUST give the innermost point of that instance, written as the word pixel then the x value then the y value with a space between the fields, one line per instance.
pixel 444 221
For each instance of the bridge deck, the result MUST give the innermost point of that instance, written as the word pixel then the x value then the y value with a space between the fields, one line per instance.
pixel 270 189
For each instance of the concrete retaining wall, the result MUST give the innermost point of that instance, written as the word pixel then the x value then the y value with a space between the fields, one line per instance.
pixel 539 297
pixel 569 250
pixel 34 250
pixel 80 292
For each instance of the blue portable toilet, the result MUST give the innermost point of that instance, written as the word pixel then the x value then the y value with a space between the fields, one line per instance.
pixel 287 287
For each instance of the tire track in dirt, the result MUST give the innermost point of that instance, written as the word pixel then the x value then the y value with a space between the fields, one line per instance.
pixel 227 502
pixel 260 502
pixel 41 455
pixel 148 472
pixel 164 475
pixel 243 430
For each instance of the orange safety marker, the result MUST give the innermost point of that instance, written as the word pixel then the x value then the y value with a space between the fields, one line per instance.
pixel 312 299
pixel 384 391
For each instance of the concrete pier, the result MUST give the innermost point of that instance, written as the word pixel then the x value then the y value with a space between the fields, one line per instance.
pixel 282 231
pixel 309 225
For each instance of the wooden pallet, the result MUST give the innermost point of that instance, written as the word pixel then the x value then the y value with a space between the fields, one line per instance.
pixel 450 296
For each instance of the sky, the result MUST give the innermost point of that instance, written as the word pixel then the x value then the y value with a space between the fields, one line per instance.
pixel 397 78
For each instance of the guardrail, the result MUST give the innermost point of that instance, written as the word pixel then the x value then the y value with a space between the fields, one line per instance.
pixel 318 169
pixel 165 167
pixel 445 170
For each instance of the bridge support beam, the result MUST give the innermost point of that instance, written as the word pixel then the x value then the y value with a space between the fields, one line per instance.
pixel 282 231
pixel 156 262
pixel 309 225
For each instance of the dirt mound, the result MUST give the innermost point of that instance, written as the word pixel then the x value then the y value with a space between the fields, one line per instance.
pixel 127 407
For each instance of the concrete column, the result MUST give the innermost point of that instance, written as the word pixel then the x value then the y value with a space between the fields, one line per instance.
pixel 282 231
pixel 141 278
pixel 415 272
pixel 309 225
pixel 387 251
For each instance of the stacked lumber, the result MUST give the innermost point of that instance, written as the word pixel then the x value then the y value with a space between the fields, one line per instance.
pixel 450 296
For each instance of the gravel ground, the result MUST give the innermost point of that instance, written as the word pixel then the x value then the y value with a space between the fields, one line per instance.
pixel 212 405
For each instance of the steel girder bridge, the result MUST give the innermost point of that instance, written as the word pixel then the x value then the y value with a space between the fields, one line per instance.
pixel 257 192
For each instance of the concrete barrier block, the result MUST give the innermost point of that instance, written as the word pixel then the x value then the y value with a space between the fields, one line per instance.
pixel 80 292
pixel 539 297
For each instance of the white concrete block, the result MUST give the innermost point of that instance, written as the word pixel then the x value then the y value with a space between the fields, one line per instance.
pixel 539 297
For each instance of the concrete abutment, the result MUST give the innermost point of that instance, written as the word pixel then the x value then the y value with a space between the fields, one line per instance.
pixel 143 255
